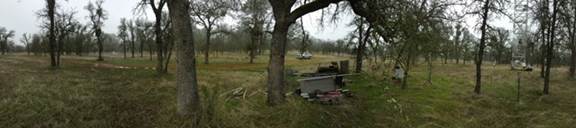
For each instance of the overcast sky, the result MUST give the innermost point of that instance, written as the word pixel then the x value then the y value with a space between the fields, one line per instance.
pixel 20 16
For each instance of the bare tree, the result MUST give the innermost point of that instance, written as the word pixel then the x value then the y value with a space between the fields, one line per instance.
pixel 497 38
pixel 550 48
pixel 27 40
pixel 363 37
pixel 65 25
pixel 51 10
pixel 254 17
pixel 132 28
pixel 142 28
pixel 97 15
pixel 157 8
pixel 305 39
pixel 82 38
pixel 209 12
pixel 5 35
pixel 457 43
pixel 494 6
pixel 569 17
pixel 123 34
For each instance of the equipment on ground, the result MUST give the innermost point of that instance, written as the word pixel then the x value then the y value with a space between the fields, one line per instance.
pixel 325 85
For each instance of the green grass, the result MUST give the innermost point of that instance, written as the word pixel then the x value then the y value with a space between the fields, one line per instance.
pixel 449 102
pixel 86 93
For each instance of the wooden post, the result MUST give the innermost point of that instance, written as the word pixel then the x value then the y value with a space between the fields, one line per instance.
pixel 518 95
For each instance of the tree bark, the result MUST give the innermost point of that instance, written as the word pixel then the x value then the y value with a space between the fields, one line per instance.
pixel 429 62
pixel 151 51
pixel 59 47
pixel 142 41
pixel 51 33
pixel 159 42
pixel 480 55
pixel 550 50
pixel 361 47
pixel 1 46
pixel 543 48
pixel 124 48
pixel 572 69
pixel 407 70
pixel 188 100
pixel 207 47
pixel 27 49
pixel 276 81
pixel 252 48
pixel 545 37
pixel 100 45
pixel 168 55
pixel 132 39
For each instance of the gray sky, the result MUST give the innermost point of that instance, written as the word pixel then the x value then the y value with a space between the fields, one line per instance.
pixel 20 16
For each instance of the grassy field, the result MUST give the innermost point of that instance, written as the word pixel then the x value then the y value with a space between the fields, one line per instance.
pixel 127 93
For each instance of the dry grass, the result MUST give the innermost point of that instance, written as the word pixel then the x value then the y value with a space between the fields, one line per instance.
pixel 86 93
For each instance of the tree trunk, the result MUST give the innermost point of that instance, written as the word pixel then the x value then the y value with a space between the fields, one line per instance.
pixel 60 46
pixel 446 59
pixel 480 55
pixel 27 48
pixel 550 50
pixel 159 43
pixel 457 59
pixel 283 19
pixel 572 69
pixel 543 48
pixel 407 71
pixel 361 47
pixel 79 48
pixel 304 37
pixel 168 56
pixel 51 34
pixel 429 62
pixel 252 49
pixel 188 100
pixel 132 40
pixel 3 45
pixel 142 48
pixel 150 51
pixel 207 47
pixel 276 65
pixel 124 48
pixel 100 45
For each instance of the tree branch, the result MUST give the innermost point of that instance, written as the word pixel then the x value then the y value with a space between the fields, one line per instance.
pixel 310 7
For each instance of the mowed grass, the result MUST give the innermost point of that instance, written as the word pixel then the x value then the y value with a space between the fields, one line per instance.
pixel 127 93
